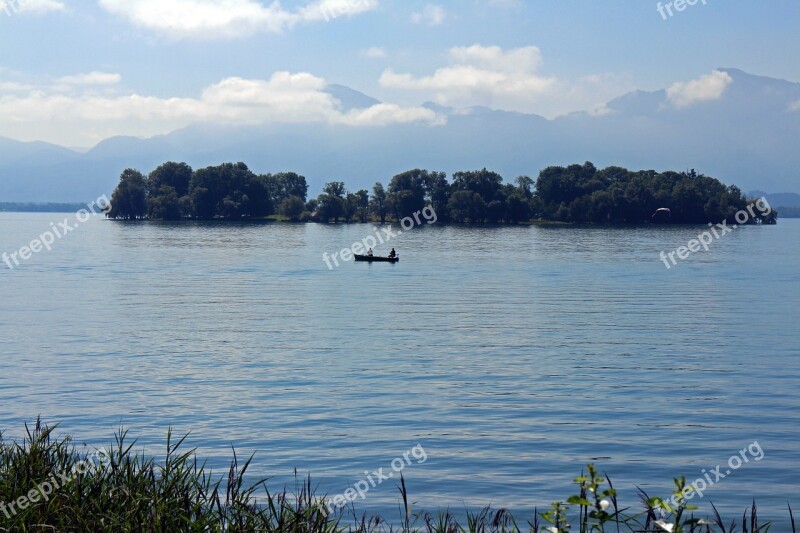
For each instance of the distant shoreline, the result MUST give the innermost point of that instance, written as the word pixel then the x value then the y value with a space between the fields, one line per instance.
pixel 72 208
pixel 41 207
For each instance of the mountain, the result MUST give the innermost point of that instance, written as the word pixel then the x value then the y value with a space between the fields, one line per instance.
pixel 782 199
pixel 747 137
pixel 350 99
pixel 786 203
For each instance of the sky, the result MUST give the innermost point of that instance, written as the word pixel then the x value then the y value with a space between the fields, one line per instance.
pixel 74 72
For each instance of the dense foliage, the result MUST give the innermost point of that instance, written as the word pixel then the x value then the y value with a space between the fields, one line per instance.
pixel 174 191
pixel 581 193
pixel 576 193
pixel 46 484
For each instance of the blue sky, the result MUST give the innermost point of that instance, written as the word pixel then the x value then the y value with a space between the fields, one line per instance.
pixel 76 71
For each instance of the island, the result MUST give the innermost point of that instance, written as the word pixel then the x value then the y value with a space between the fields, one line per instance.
pixel 573 194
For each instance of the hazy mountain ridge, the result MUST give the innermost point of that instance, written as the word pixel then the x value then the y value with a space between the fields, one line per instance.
pixel 780 199
pixel 747 137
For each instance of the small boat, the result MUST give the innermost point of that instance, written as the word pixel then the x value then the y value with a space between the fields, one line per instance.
pixel 376 258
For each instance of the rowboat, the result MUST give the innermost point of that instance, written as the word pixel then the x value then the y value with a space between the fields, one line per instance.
pixel 376 258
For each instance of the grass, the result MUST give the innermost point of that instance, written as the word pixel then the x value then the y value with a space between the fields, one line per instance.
pixel 48 484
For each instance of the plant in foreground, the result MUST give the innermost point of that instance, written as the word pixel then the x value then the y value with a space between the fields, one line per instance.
pixel 43 487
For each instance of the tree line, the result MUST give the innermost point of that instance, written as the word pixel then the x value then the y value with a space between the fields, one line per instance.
pixel 575 193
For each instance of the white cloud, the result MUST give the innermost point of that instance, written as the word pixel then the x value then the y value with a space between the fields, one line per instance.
pixel 485 75
pixel 228 18
pixel 14 87
pixel 507 79
pixel 794 106
pixel 36 7
pixel 91 78
pixel 328 10
pixel 526 59
pixel 374 52
pixel 387 114
pixel 431 14
pixel 87 117
pixel 706 88
pixel 285 97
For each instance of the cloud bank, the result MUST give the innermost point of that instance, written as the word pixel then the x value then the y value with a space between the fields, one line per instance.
pixel 228 18
pixel 72 112
pixel 486 75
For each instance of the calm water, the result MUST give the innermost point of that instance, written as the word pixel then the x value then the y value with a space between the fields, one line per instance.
pixel 514 356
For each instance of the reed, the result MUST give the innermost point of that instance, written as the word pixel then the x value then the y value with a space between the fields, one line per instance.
pixel 128 491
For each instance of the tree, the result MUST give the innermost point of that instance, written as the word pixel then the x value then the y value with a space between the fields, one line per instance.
pixel 581 193
pixel 230 191
pixel 292 184
pixel 256 199
pixel 524 185
pixel 283 185
pixel 378 202
pixel 164 204
pixel 331 203
pixel 170 174
pixel 168 191
pixel 129 201
pixel 482 182
pixel 335 188
pixel 517 209
pixel 466 206
pixel 329 207
pixel 407 192
pixel 203 203
pixel 272 184
pixel 496 211
pixel 351 202
pixel 292 207
pixel 362 202
pixel 439 195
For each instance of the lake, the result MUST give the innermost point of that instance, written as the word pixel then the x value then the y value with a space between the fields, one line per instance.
pixel 513 355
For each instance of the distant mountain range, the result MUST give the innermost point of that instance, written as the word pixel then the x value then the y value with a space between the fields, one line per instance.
pixel 784 199
pixel 748 137
pixel 787 203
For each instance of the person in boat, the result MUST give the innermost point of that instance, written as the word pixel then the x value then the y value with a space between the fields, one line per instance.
pixel 392 254
pixel 369 252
